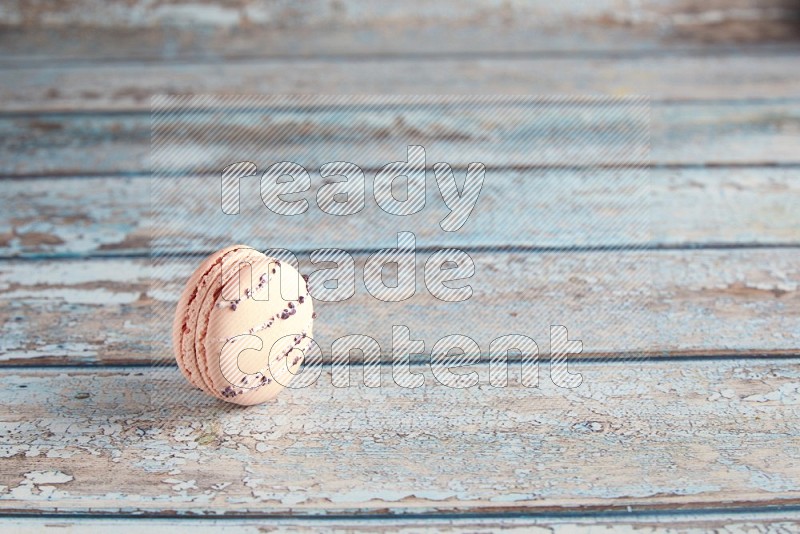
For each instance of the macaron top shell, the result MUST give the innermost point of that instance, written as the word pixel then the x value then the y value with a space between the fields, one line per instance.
pixel 242 325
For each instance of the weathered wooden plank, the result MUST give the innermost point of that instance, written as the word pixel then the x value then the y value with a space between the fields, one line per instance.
pixel 678 523
pixel 697 134
pixel 646 436
pixel 87 216
pixel 361 13
pixel 113 86
pixel 640 303
pixel 168 30
pixel 61 46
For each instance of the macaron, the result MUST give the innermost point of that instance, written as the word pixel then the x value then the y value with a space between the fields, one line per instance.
pixel 242 326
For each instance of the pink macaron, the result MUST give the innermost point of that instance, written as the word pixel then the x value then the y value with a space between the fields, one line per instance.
pixel 242 325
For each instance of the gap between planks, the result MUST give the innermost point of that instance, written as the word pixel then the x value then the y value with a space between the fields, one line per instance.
pixel 671 522
pixel 766 51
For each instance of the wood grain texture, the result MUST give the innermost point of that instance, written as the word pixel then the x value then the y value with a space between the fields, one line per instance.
pixel 647 436
pixel 676 523
pixel 179 29
pixel 697 134
pixel 646 440
pixel 128 86
pixel 635 303
pixel 362 13
pixel 39 46
pixel 85 216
